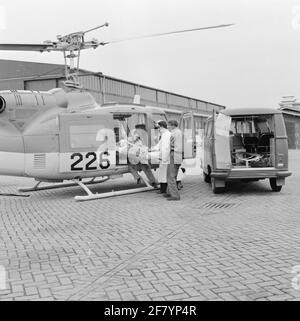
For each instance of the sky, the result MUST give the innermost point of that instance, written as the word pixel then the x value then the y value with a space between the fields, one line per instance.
pixel 251 64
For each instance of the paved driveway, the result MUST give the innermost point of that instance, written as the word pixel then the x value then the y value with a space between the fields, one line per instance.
pixel 243 245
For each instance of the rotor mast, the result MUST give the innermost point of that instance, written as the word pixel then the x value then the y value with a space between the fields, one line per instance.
pixel 71 46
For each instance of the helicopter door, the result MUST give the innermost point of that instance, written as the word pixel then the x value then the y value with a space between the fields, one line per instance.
pixel 87 143
pixel 221 125
pixel 187 126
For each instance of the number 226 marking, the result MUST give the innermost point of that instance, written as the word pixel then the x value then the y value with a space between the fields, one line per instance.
pixel 91 165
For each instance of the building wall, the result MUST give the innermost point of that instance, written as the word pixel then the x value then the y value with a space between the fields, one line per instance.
pixel 12 84
pixel 105 89
pixel 40 85
pixel 10 69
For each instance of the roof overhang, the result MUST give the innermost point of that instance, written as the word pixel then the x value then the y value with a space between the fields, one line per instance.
pixel 290 112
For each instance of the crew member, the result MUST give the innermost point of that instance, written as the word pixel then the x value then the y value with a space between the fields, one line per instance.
pixel 163 147
pixel 175 160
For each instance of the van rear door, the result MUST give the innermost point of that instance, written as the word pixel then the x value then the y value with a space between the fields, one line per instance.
pixel 222 153
pixel 187 126
pixel 281 147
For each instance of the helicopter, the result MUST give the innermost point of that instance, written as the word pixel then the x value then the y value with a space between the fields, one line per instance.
pixel 64 135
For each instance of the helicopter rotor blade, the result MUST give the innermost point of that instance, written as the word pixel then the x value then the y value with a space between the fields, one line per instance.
pixel 26 47
pixel 166 33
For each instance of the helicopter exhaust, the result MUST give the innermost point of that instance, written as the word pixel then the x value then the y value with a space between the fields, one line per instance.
pixel 2 104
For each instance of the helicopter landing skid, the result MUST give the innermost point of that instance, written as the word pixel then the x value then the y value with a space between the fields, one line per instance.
pixel 36 187
pixel 91 196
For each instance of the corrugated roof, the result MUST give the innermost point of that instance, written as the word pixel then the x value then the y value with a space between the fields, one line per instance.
pixel 21 69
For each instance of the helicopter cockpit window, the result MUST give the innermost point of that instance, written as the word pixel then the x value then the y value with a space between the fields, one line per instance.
pixel 127 125
pixel 120 130
pixel 136 119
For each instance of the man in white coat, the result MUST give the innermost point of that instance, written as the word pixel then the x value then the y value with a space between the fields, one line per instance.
pixel 164 155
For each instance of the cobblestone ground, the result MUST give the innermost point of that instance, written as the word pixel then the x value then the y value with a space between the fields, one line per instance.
pixel 242 245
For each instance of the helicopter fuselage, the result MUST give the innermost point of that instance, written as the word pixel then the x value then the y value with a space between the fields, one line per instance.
pixel 55 136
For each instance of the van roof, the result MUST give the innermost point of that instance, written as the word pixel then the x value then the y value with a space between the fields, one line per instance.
pixel 250 111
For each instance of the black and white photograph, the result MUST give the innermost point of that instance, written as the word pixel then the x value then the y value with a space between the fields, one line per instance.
pixel 150 153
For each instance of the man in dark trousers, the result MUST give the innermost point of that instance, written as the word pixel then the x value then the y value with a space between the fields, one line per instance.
pixel 175 160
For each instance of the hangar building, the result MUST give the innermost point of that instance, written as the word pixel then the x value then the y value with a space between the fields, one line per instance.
pixel 21 75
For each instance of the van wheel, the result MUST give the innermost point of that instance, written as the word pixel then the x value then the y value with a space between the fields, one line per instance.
pixel 206 178
pixel 274 186
pixel 215 189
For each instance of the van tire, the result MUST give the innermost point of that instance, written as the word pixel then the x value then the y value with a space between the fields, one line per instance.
pixel 215 189
pixel 206 177
pixel 274 186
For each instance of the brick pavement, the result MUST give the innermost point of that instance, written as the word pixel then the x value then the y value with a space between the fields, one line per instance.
pixel 241 245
